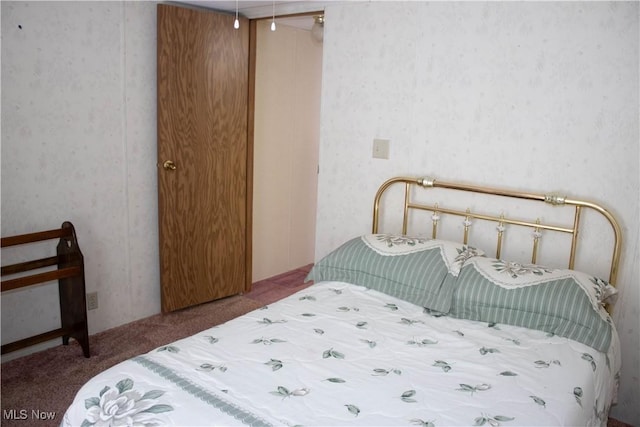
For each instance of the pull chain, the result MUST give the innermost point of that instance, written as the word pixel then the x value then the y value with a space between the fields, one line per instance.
pixel 236 23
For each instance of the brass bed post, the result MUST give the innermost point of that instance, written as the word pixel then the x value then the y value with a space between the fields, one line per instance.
pixel 434 222
pixel 574 237
pixel 381 190
pixel 537 234
pixel 467 224
pixel 556 200
pixel 405 218
pixel 500 228
pixel 617 236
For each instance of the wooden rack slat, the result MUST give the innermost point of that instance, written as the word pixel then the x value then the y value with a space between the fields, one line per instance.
pixel 21 239
pixel 21 282
pixel 36 339
pixel 29 265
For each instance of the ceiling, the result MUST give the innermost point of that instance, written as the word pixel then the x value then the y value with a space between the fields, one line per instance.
pixel 263 8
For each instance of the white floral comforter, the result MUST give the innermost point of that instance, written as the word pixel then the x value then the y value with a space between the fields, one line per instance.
pixel 339 354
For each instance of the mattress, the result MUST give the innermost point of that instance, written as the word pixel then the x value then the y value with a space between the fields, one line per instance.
pixel 342 354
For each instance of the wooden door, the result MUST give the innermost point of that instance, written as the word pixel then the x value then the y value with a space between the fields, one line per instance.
pixel 203 155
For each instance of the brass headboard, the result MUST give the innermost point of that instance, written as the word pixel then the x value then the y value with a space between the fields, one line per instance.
pixel 572 228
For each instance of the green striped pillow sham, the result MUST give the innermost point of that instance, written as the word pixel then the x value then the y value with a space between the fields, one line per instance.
pixel 421 271
pixel 567 303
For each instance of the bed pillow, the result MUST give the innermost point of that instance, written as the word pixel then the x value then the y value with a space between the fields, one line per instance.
pixel 563 302
pixel 418 270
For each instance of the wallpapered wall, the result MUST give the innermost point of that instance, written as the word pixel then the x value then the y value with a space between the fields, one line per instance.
pixel 533 95
pixel 79 144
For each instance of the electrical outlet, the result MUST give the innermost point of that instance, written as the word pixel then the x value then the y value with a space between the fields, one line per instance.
pixel 92 301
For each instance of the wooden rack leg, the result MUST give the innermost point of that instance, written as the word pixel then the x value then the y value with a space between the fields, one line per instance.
pixel 72 293
pixel 72 312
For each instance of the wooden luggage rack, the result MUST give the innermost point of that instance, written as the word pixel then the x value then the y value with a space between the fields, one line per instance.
pixel 70 276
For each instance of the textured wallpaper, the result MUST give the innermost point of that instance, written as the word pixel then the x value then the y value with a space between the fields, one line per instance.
pixel 78 144
pixel 541 96
pixel 535 95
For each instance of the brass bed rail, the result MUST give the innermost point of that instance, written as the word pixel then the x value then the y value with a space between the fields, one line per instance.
pixel 537 225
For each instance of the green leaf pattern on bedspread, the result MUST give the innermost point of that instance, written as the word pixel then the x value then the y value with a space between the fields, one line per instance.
pixel 356 376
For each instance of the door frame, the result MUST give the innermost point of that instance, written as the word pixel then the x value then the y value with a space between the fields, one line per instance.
pixel 251 107
pixel 253 36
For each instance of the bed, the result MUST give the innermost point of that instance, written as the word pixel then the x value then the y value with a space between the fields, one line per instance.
pixel 404 328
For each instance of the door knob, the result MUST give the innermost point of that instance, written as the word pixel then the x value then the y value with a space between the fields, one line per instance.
pixel 169 165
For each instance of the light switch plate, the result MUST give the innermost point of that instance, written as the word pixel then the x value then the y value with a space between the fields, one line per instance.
pixel 380 148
